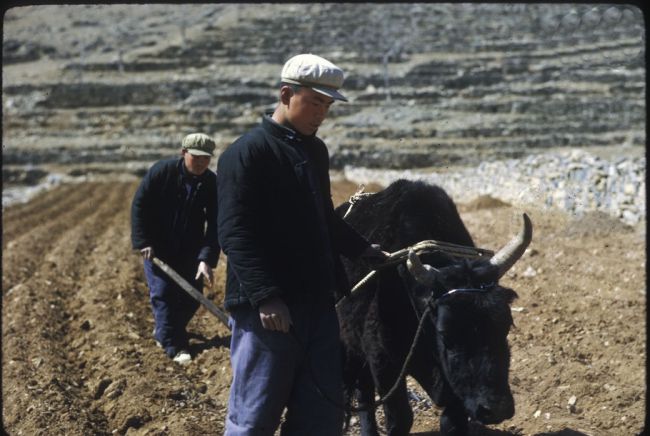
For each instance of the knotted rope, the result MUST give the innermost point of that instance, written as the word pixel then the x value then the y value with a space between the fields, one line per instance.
pixel 356 197
pixel 422 247
pixel 427 246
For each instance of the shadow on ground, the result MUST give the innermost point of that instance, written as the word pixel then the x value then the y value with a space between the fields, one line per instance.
pixel 204 343
pixel 479 430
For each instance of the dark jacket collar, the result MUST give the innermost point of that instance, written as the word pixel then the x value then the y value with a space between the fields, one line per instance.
pixel 285 132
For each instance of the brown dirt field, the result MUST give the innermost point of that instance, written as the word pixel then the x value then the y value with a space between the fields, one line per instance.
pixel 78 357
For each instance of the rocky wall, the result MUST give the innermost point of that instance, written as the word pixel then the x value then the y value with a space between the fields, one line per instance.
pixel 574 181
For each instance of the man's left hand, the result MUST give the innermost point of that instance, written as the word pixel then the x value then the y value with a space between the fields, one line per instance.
pixel 205 270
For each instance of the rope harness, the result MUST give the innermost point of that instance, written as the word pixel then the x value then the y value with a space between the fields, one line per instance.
pixel 393 259
pixel 356 197
pixel 427 246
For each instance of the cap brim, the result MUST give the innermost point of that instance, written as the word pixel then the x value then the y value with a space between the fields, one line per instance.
pixel 330 92
pixel 195 152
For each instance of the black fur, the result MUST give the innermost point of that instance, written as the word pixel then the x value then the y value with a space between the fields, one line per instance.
pixel 462 357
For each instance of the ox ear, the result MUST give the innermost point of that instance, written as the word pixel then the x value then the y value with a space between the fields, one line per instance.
pixel 423 274
pixel 507 256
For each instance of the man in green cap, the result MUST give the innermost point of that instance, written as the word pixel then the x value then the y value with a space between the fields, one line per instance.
pixel 174 218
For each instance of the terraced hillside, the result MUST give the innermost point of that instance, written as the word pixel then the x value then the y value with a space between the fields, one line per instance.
pixel 94 86
pixel 93 94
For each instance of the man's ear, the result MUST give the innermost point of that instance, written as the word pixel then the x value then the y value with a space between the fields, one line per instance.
pixel 285 94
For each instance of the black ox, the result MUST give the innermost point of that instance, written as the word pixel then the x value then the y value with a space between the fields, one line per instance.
pixel 462 358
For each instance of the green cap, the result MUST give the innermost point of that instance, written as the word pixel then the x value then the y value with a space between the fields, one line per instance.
pixel 199 144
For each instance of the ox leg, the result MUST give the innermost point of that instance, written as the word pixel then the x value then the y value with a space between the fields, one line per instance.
pixel 453 421
pixel 399 416
pixel 366 402
pixel 432 383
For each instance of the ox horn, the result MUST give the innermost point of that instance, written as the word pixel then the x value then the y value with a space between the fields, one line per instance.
pixel 506 257
pixel 424 274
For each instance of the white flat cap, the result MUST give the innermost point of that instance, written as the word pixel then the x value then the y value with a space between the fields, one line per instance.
pixel 316 73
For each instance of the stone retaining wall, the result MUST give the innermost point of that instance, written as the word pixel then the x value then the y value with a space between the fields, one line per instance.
pixel 574 181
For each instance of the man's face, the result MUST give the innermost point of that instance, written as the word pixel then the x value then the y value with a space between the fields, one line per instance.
pixel 307 110
pixel 196 165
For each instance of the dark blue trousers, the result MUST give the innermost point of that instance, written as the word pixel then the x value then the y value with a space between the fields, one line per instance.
pixel 274 370
pixel 172 307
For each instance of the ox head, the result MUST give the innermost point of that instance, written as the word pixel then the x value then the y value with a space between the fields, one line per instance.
pixel 472 318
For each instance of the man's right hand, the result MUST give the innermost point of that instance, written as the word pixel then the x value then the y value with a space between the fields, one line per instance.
pixel 147 253
pixel 275 315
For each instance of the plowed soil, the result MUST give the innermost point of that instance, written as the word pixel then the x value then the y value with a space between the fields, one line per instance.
pixel 78 357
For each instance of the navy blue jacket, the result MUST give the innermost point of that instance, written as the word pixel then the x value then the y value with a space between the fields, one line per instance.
pixel 180 227
pixel 277 224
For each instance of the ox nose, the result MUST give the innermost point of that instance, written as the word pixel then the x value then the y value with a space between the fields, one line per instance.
pixel 484 415
pixel 496 413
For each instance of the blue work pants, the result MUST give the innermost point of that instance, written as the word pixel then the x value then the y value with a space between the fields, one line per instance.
pixel 274 370
pixel 172 307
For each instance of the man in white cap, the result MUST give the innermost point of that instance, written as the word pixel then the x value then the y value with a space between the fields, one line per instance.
pixel 174 217
pixel 282 238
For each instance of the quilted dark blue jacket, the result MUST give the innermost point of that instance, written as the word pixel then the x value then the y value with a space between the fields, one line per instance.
pixel 179 226
pixel 277 224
